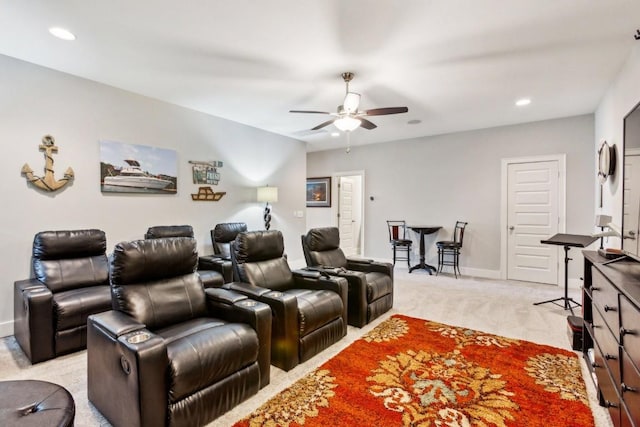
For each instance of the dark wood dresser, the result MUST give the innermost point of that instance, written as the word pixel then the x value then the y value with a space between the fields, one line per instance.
pixel 611 337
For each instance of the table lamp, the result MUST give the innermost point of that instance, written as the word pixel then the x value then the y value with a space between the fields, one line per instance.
pixel 602 221
pixel 268 195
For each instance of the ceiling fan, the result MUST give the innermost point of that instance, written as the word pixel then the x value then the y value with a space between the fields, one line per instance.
pixel 348 118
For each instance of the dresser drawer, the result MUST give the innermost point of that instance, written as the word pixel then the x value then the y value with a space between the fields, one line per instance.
pixel 625 421
pixel 630 319
pixel 607 348
pixel 605 299
pixel 631 388
pixel 608 395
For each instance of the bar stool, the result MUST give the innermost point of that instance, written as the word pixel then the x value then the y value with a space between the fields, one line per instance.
pixel 399 241
pixel 451 248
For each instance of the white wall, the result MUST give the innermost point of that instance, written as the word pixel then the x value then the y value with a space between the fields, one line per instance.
pixel 622 96
pixel 35 101
pixel 438 180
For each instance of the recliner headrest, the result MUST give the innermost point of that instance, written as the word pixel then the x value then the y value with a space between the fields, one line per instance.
pixel 69 244
pixel 254 246
pixel 153 259
pixel 160 231
pixel 323 239
pixel 226 232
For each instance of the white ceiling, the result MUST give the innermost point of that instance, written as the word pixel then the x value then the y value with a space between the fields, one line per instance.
pixel 456 64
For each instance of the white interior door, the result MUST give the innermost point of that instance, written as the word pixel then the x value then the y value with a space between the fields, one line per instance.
pixel 346 218
pixel 532 215
pixel 631 209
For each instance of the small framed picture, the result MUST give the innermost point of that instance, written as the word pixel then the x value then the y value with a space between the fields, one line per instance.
pixel 319 192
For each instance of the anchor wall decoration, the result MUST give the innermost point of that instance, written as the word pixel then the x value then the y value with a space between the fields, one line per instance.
pixel 48 182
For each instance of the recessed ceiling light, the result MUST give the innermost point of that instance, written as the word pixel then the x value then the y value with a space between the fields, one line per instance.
pixel 62 33
pixel 335 134
pixel 523 101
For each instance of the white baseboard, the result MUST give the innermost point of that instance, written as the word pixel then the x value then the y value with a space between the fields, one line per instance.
pixel 480 272
pixel 6 328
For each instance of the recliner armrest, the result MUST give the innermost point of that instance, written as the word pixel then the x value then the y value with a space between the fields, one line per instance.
pixel 236 307
pixel 333 283
pixel 247 289
pixel 115 323
pixel 219 264
pixel 367 265
pixel 126 370
pixel 284 309
pixel 211 278
pixel 34 319
pixel 310 272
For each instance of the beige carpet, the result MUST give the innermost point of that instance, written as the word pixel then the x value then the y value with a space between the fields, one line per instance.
pixel 498 307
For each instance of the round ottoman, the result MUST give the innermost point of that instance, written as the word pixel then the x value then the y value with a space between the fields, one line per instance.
pixel 29 403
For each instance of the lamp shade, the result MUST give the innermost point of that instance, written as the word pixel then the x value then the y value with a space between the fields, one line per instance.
pixel 603 220
pixel 347 124
pixel 268 194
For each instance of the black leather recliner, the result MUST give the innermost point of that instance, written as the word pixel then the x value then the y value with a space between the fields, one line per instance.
pixel 71 281
pixel 309 308
pixel 171 353
pixel 370 282
pixel 160 231
pixel 211 274
pixel 222 236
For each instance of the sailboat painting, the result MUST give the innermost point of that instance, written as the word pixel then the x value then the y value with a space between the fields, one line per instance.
pixel 132 168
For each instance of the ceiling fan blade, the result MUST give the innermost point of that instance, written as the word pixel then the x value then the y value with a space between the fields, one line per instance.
pixel 309 111
pixel 387 110
pixel 364 123
pixel 321 125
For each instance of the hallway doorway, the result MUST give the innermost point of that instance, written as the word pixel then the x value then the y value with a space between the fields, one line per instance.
pixel 349 215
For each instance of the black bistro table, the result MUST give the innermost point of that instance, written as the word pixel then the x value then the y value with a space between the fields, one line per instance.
pixel 422 230
pixel 568 241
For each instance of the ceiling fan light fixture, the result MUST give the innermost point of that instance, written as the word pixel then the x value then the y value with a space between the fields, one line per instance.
pixel 347 124
pixel 351 102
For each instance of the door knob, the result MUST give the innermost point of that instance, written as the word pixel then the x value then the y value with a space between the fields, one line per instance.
pixel 511 228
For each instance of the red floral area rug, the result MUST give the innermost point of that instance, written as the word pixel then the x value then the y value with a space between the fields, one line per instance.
pixel 413 372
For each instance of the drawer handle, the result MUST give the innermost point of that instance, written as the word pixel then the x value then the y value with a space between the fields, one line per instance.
pixel 626 388
pixel 594 289
pixel 610 357
pixel 607 308
pixel 595 365
pixel 608 404
pixel 624 332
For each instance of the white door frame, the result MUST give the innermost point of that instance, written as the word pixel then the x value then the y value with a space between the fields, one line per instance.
pixel 562 205
pixel 335 198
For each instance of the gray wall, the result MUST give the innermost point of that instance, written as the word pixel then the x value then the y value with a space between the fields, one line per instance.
pixel 437 180
pixel 35 101
pixel 622 96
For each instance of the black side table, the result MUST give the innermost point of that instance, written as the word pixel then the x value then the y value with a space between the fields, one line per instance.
pixel 423 229
pixel 568 241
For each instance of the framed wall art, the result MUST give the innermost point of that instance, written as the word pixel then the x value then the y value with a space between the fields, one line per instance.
pixel 319 192
pixel 130 168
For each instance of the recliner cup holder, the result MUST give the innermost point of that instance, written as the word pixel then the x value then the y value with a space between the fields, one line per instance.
pixel 138 337
pixel 248 303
